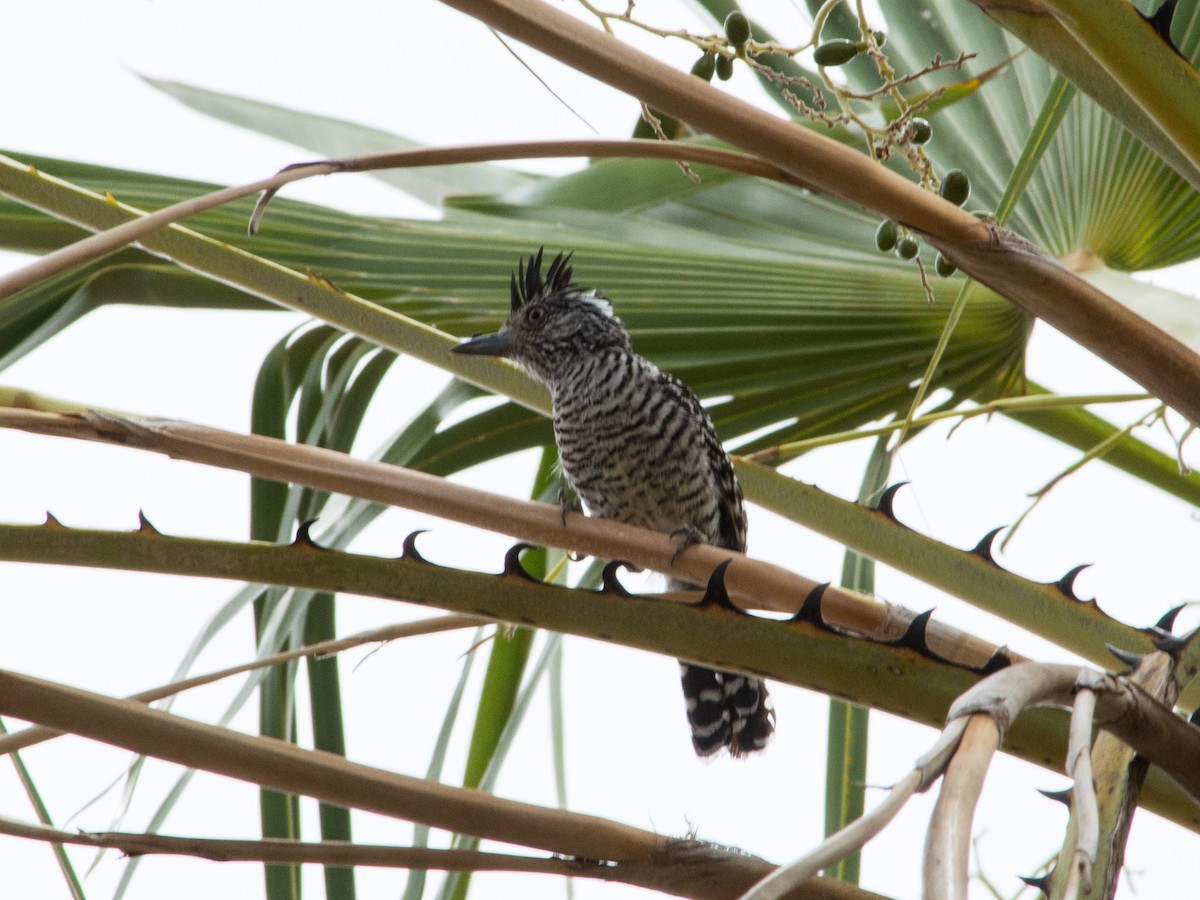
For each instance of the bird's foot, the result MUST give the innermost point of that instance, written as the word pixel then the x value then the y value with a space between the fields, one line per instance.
pixel 684 537
pixel 568 503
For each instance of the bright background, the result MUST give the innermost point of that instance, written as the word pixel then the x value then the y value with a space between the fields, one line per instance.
pixel 420 70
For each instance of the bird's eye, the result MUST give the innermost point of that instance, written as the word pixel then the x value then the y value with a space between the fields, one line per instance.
pixel 536 314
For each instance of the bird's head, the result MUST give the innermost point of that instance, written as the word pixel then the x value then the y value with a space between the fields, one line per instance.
pixel 553 323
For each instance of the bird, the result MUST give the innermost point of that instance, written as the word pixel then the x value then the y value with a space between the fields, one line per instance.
pixel 635 445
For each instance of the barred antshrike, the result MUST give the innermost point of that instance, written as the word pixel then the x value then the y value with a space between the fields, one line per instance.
pixel 637 446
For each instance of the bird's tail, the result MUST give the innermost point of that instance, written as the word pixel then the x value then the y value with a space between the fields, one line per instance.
pixel 726 710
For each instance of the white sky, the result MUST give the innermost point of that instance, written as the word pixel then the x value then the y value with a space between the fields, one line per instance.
pixel 425 72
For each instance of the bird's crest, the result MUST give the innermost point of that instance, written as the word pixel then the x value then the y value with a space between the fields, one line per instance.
pixel 527 283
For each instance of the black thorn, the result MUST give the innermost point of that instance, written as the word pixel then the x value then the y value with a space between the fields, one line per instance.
pixel 1131 659
pixel 997 661
pixel 304 535
pixel 609 582
pixel 1066 584
pixel 810 610
pixel 144 524
pixel 887 499
pixel 715 592
pixel 984 548
pixel 1041 882
pixel 914 636
pixel 409 549
pixel 1063 796
pixel 52 521
pixel 1171 644
pixel 512 562
pixel 1167 622
pixel 1160 21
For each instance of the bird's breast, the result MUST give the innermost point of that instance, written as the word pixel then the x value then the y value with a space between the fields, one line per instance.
pixel 633 452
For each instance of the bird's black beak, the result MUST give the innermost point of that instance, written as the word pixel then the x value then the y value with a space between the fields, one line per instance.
pixel 498 344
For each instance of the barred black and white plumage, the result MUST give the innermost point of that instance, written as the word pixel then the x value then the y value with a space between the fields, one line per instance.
pixel 637 446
